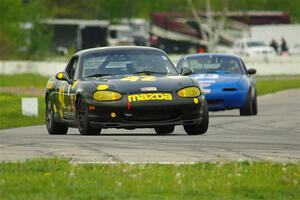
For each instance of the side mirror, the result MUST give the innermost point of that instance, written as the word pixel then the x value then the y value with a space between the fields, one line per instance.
pixel 62 76
pixel 251 71
pixel 186 71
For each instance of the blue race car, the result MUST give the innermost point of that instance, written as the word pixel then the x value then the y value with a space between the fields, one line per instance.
pixel 226 82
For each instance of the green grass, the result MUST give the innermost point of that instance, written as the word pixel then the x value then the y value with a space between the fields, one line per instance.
pixel 271 84
pixel 11 112
pixel 23 80
pixel 58 179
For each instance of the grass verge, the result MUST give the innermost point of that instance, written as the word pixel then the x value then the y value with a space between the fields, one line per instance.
pixel 58 179
pixel 271 84
pixel 23 80
pixel 11 112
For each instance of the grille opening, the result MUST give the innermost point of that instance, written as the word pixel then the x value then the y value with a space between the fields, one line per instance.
pixel 215 102
pixel 152 115
pixel 229 89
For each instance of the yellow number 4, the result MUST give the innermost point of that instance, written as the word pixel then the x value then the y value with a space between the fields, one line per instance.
pixel 130 78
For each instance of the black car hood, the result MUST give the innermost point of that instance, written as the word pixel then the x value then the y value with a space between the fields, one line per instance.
pixel 141 83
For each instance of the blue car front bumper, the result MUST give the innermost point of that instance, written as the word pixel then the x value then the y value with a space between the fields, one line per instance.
pixel 222 100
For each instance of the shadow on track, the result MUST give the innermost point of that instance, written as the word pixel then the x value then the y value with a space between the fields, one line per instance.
pixel 220 115
pixel 127 134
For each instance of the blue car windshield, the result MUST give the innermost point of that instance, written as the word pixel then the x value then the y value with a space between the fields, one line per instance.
pixel 124 62
pixel 213 64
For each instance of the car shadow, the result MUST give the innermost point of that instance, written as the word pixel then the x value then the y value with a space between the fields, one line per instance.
pixel 128 134
pixel 214 115
pixel 139 134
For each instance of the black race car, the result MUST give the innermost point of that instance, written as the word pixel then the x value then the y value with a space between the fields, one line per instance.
pixel 124 87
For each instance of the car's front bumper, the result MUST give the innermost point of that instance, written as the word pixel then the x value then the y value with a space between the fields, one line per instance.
pixel 145 114
pixel 222 100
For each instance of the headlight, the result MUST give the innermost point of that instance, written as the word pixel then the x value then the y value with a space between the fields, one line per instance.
pixel 107 95
pixel 189 92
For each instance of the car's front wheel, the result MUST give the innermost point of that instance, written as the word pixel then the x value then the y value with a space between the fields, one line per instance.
pixel 200 128
pixel 164 130
pixel 53 127
pixel 250 106
pixel 82 119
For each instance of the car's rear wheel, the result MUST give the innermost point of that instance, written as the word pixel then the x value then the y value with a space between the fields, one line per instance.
pixel 53 127
pixel 200 128
pixel 247 109
pixel 164 130
pixel 82 119
pixel 254 105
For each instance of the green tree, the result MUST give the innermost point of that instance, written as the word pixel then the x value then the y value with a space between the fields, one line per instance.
pixel 39 36
pixel 83 9
pixel 19 42
pixel 21 34
pixel 10 35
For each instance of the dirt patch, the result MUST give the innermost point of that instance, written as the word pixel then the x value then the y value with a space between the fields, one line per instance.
pixel 31 91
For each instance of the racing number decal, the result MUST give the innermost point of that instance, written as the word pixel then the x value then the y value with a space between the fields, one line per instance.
pixel 138 78
pixel 148 78
pixel 130 78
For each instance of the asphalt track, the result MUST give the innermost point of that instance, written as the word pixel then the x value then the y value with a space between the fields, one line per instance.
pixel 274 134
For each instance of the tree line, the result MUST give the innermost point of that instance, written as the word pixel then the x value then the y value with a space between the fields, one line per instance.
pixel 20 39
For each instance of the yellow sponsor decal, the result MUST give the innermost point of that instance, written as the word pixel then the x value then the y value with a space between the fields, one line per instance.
pixel 49 84
pixel 74 84
pixel 61 113
pixel 102 87
pixel 150 97
pixel 61 95
pixel 139 78
pixel 54 108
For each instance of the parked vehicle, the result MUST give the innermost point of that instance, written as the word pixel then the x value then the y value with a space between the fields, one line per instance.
pixel 295 50
pixel 140 30
pixel 120 35
pixel 177 32
pixel 252 47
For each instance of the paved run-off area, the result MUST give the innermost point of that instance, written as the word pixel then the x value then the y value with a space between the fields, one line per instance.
pixel 274 134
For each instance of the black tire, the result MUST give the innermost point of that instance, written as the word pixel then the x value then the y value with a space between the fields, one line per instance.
pixel 247 109
pixel 200 128
pixel 82 119
pixel 53 127
pixel 254 105
pixel 164 130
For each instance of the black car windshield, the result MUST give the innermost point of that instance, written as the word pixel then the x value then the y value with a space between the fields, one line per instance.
pixel 212 64
pixel 125 62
